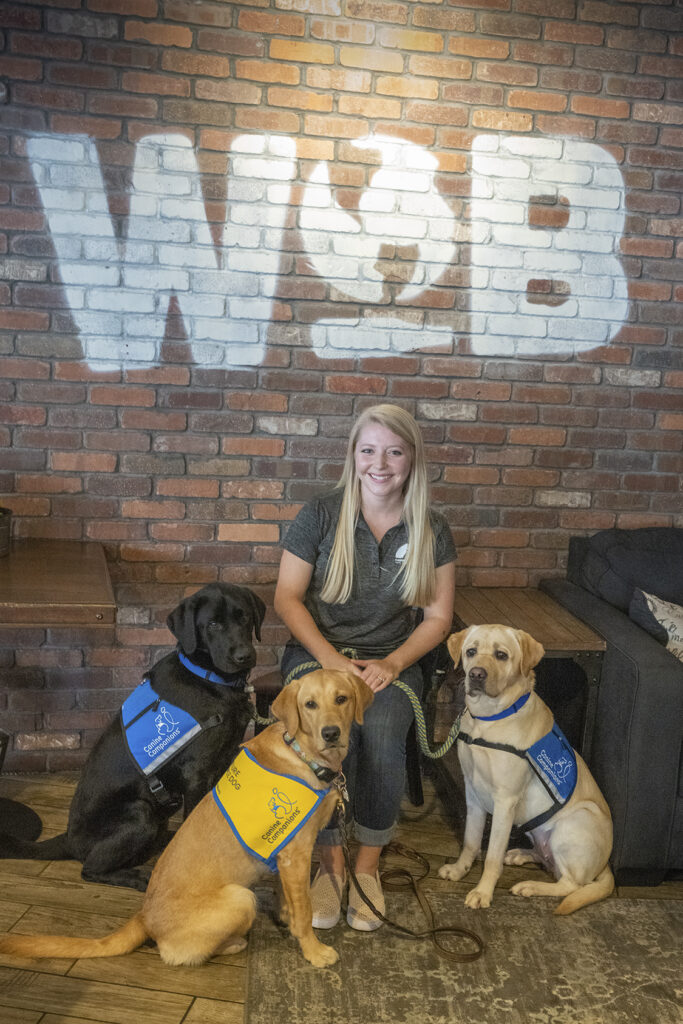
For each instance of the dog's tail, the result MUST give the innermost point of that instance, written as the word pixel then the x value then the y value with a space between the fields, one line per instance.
pixel 591 893
pixel 124 940
pixel 56 848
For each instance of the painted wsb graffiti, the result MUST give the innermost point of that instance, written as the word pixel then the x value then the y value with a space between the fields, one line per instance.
pixel 535 284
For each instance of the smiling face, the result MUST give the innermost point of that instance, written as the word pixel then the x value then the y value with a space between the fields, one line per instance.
pixel 383 463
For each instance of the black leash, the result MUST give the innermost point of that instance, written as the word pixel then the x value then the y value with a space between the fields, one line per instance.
pixel 401 878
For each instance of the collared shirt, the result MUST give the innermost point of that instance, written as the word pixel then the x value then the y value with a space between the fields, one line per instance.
pixel 374 621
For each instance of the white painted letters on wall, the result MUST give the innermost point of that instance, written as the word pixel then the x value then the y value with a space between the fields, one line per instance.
pixel 543 290
pixel 545 224
pixel 118 290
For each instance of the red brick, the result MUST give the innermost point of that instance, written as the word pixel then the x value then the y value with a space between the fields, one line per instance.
pixel 583 35
pixel 302 52
pixel 356 385
pixel 137 8
pixel 17 16
pixel 46 46
pixel 126 56
pixel 157 33
pixel 23 320
pixel 502 121
pixel 536 100
pixel 226 41
pixel 543 53
pixel 270 71
pixel 540 436
pixel 18 68
pixel 485 49
pixel 342 31
pixel 98 127
pixel 600 108
pixel 276 24
pixel 122 396
pixel 162 85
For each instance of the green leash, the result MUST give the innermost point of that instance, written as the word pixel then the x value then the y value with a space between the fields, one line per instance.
pixel 420 724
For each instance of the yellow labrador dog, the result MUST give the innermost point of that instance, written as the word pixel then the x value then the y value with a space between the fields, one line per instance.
pixel 198 902
pixel 520 769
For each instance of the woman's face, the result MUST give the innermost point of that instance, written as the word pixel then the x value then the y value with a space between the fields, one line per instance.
pixel 383 463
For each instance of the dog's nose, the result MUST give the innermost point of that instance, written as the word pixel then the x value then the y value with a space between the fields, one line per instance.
pixel 478 674
pixel 330 733
pixel 243 655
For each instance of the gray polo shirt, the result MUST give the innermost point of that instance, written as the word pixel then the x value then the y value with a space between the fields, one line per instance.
pixel 374 621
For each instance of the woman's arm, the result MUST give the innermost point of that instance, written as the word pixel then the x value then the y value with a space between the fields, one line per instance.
pixel 293 581
pixel 435 627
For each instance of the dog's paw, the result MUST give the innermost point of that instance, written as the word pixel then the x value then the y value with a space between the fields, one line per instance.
pixel 527 888
pixel 321 955
pixel 233 946
pixel 453 872
pixel 477 899
pixel 519 857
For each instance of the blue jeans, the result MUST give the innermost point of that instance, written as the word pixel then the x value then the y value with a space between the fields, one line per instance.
pixel 376 761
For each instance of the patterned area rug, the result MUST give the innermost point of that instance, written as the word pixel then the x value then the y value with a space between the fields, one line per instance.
pixel 616 962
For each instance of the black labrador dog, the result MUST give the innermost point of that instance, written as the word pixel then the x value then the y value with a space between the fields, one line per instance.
pixel 118 816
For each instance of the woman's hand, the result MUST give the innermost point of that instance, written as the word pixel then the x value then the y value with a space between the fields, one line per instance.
pixel 378 674
pixel 339 663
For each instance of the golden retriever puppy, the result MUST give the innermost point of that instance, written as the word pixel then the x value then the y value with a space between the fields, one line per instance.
pixel 198 902
pixel 519 768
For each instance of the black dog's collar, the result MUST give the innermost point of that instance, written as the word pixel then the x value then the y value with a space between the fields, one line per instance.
pixel 321 771
pixel 237 682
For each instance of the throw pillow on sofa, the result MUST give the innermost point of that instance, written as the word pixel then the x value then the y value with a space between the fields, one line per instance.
pixel 662 619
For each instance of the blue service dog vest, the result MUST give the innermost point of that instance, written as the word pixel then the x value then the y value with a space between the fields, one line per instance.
pixel 155 730
pixel 553 761
pixel 264 809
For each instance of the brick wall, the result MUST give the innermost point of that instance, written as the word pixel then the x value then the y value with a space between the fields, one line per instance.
pixel 226 228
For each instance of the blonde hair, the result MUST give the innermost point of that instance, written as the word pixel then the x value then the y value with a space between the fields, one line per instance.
pixel 417 572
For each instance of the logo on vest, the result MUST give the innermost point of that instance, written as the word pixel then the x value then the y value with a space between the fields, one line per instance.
pixel 556 770
pixel 286 813
pixel 167 731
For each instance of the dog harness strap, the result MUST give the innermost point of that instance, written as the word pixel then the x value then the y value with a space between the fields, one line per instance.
pixel 264 809
pixel 477 741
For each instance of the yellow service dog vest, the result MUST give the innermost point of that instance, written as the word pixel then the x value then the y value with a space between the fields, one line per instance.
pixel 265 810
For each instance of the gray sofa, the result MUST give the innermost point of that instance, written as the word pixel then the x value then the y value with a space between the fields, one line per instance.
pixel 638 738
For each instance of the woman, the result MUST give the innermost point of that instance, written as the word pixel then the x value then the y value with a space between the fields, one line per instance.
pixel 357 566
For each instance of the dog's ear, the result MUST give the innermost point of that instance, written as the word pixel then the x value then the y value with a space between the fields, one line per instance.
pixel 532 651
pixel 285 707
pixel 363 696
pixel 252 602
pixel 258 611
pixel 182 623
pixel 455 643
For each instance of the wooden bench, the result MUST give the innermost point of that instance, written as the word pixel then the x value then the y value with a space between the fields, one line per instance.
pixel 56 583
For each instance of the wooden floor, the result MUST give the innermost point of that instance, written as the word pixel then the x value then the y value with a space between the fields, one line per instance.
pixel 50 897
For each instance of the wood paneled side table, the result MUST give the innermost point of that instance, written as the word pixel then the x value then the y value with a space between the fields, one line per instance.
pixel 55 583
pixel 562 635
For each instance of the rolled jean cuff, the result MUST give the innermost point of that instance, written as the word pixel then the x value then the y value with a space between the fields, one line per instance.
pixel 374 836
pixel 364 836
